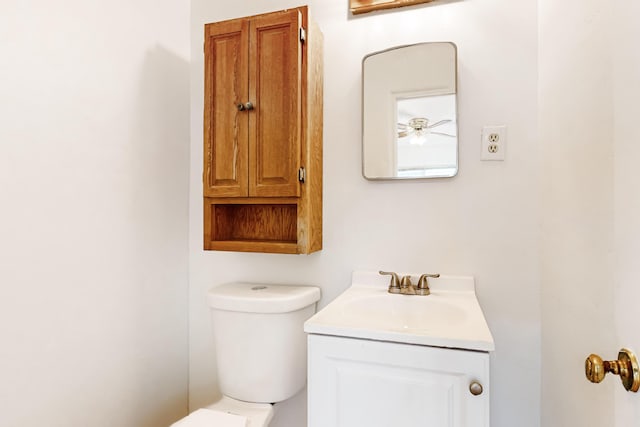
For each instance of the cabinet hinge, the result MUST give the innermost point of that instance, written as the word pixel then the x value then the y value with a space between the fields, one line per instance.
pixel 303 35
pixel 302 174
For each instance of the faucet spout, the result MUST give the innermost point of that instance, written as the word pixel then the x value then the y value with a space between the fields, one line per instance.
pixel 406 287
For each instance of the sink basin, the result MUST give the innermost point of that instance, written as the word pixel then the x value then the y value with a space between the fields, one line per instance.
pixel 404 312
pixel 450 317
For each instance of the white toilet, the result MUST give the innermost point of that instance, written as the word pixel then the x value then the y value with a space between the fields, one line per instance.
pixel 261 351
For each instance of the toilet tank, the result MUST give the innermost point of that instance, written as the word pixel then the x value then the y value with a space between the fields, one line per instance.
pixel 261 347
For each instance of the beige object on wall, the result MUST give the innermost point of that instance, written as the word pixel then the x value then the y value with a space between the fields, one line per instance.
pixel 364 6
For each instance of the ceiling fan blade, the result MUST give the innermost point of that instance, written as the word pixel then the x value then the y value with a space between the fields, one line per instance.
pixel 403 130
pixel 442 133
pixel 402 133
pixel 441 122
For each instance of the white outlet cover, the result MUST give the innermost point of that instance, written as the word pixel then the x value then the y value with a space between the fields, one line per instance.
pixel 494 142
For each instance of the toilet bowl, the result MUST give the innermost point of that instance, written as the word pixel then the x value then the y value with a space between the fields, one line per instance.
pixel 261 351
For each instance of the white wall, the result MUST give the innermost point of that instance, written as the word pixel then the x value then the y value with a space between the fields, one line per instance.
pixel 484 222
pixel 94 164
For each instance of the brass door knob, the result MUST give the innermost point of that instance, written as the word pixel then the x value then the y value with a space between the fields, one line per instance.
pixel 626 366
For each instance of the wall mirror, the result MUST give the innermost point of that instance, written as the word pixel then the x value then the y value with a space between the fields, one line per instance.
pixel 409 112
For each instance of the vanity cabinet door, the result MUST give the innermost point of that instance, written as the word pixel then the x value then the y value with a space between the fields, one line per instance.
pixel 355 382
pixel 253 107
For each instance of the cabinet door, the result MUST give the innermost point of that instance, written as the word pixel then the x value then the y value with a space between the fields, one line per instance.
pixel 226 128
pixel 275 72
pixel 355 382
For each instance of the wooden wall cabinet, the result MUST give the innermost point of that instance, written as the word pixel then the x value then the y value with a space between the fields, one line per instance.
pixel 262 178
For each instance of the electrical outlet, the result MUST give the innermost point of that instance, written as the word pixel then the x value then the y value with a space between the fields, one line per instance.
pixel 494 142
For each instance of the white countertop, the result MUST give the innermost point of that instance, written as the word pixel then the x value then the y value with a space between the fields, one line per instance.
pixel 450 317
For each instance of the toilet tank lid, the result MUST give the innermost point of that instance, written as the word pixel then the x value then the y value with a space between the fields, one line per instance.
pixel 262 298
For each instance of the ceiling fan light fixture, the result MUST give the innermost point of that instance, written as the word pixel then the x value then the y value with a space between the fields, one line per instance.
pixel 419 123
pixel 418 138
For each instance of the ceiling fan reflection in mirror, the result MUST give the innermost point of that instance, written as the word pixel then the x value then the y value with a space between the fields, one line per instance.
pixel 419 128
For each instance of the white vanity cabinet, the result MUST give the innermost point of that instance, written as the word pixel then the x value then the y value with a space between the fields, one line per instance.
pixel 377 359
pixel 359 382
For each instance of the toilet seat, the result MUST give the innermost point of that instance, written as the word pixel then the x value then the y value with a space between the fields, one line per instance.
pixel 257 414
pixel 204 417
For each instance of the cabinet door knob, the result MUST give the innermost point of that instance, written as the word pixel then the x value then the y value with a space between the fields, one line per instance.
pixel 475 388
pixel 247 106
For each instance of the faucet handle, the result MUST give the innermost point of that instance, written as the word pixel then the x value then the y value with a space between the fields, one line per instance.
pixel 394 283
pixel 423 284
